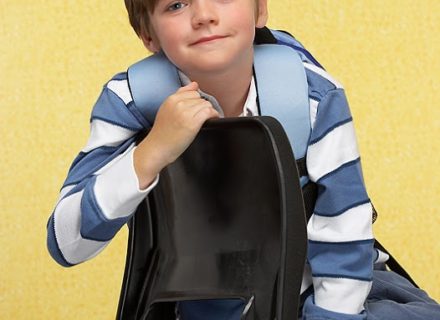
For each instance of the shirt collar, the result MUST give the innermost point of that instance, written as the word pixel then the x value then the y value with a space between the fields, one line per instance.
pixel 250 107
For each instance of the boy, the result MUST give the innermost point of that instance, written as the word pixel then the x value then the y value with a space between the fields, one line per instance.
pixel 211 43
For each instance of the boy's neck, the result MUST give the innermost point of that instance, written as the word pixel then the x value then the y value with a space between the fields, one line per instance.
pixel 229 88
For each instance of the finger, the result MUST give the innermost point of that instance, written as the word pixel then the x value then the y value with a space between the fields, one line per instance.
pixel 204 111
pixel 190 104
pixel 186 95
pixel 192 86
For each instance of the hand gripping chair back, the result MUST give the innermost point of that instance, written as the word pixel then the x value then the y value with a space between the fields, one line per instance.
pixel 225 221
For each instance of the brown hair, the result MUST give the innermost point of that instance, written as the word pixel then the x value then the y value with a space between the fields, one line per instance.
pixel 138 13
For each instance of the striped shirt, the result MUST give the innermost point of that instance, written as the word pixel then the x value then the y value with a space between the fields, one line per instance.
pixel 101 190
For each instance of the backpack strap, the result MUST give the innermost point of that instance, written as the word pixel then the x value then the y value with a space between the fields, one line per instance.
pixel 149 90
pixel 394 265
pixel 283 92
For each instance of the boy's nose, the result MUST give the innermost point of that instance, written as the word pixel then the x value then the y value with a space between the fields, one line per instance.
pixel 204 12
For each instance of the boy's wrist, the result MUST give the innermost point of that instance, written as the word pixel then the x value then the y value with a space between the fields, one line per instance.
pixel 148 162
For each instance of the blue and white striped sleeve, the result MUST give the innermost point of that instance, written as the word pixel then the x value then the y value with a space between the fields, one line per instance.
pixel 340 249
pixel 101 191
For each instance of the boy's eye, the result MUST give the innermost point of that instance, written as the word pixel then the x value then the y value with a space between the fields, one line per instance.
pixel 176 6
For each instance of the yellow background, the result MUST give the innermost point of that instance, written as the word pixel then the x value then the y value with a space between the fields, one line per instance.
pixel 55 56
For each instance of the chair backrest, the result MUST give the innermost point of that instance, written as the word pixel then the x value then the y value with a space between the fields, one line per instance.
pixel 225 221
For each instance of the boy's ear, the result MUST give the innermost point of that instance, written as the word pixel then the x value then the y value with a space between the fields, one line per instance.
pixel 262 14
pixel 150 43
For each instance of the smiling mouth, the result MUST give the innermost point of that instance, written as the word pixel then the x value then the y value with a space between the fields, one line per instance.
pixel 207 39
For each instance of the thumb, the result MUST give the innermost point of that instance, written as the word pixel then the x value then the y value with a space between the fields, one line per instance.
pixel 192 86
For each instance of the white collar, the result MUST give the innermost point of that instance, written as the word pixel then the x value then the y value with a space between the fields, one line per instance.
pixel 250 107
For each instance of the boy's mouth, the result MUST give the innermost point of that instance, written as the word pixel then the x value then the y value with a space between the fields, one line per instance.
pixel 207 39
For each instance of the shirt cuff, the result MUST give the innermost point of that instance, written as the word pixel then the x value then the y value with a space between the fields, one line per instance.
pixel 341 295
pixel 117 188
pixel 312 312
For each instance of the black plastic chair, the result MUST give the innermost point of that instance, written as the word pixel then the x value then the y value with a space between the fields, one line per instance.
pixel 226 220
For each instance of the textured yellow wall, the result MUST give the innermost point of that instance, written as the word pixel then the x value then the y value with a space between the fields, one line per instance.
pixel 55 55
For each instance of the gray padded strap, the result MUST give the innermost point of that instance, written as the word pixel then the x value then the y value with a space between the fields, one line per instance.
pixel 283 92
pixel 151 81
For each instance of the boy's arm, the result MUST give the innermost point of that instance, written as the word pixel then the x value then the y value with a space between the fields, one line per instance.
pixel 104 187
pixel 340 230
pixel 101 190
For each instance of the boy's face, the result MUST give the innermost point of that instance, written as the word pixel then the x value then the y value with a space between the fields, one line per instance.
pixel 201 36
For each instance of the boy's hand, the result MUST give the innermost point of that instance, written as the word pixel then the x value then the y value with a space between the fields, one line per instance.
pixel 177 123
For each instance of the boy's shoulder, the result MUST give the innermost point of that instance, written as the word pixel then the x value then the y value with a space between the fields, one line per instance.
pixel 115 105
pixel 320 82
pixel 287 39
pixel 118 85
